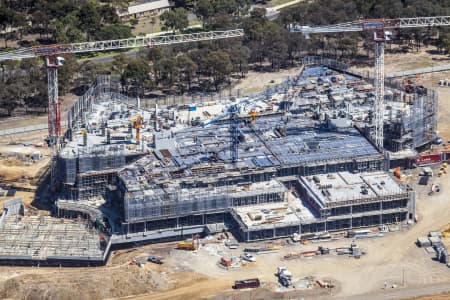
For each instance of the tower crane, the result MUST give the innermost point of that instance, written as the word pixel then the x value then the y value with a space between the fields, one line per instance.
pixel 380 29
pixel 54 60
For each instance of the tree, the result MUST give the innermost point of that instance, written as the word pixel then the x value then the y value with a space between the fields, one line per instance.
pixel 121 5
pixel 6 22
pixel 155 54
pixel 41 20
pixel 119 63
pixel 11 95
pixel 136 76
pixel 66 75
pixel 89 19
pixel 67 30
pixel 109 15
pixel 186 71
pixel 166 71
pixel 37 97
pixel 204 9
pixel 113 32
pixel 218 66
pixel 20 22
pixel 183 3
pixel 239 57
pixel 176 19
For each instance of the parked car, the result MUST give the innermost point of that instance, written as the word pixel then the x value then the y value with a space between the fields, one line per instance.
pixel 155 259
pixel 231 244
pixel 248 257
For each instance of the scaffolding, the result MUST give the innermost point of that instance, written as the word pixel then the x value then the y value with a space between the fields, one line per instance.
pixel 41 238
pixel 171 202
pixel 414 127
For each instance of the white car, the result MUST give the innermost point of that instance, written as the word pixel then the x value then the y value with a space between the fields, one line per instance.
pixel 248 257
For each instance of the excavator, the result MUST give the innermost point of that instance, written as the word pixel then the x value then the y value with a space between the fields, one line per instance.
pixel 190 245
pixel 446 231
pixel 137 124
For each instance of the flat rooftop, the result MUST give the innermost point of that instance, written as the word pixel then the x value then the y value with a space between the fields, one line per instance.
pixel 272 142
pixel 268 215
pixel 344 186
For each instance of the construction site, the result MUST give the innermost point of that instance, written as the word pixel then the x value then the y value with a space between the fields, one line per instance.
pixel 324 156
pixel 263 166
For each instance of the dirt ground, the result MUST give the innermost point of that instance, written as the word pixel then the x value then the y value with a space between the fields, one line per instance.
pixel 444 296
pixel 394 62
pixel 393 258
pixel 257 81
pixel 27 120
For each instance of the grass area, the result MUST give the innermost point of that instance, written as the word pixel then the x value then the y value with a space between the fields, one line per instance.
pixel 147 25
pixel 195 22
pixel 99 54
pixel 6 49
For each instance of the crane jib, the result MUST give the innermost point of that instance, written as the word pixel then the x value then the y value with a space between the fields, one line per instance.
pixel 373 25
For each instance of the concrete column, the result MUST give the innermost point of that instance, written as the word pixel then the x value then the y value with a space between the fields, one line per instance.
pixel 381 212
pixel 351 216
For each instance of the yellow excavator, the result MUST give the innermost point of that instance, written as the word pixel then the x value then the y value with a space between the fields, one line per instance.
pixel 190 245
pixel 446 231
pixel 137 124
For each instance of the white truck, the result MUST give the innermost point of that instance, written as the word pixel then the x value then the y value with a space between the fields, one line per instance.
pixel 284 276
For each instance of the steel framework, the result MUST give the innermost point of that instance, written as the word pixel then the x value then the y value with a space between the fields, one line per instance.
pixel 379 26
pixel 234 134
pixel 136 42
pixel 53 62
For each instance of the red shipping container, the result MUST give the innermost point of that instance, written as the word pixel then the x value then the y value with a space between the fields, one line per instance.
pixel 427 159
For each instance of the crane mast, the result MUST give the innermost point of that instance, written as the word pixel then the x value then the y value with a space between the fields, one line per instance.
pixel 54 61
pixel 380 28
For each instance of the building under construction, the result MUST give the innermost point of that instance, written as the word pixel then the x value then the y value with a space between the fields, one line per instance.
pixel 164 174
pixel 43 240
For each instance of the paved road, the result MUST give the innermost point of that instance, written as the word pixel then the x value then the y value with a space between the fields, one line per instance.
pixel 273 12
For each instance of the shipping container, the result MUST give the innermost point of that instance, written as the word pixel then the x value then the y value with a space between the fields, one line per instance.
pixel 426 159
pixel 247 283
